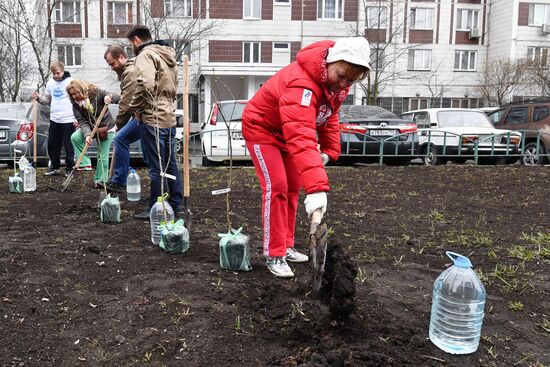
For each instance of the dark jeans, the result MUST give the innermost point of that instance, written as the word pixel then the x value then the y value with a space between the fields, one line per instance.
pixel 123 138
pixel 166 140
pixel 59 135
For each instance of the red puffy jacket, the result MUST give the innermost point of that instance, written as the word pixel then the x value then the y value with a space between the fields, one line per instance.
pixel 293 108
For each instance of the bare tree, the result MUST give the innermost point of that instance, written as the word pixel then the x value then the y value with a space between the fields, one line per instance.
pixel 186 32
pixel 539 75
pixel 500 79
pixel 385 50
pixel 436 85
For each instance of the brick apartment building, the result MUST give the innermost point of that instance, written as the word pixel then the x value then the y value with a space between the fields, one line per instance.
pixel 427 52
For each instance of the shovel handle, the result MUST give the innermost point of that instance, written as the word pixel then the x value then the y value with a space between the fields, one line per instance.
pixel 315 220
pixel 185 140
pixel 96 126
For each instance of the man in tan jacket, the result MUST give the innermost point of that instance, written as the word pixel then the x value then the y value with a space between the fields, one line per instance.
pixel 127 125
pixel 153 105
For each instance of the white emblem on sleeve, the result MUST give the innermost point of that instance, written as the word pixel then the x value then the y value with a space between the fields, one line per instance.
pixel 306 97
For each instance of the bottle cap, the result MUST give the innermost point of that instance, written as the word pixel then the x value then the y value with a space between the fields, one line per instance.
pixel 459 260
pixel 132 170
pixel 163 197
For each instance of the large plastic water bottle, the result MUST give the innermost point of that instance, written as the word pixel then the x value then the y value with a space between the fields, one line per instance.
pixel 458 301
pixel 22 163
pixel 160 213
pixel 133 186
pixel 29 178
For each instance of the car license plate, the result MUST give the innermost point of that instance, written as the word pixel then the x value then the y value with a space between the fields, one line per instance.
pixel 382 132
pixel 237 136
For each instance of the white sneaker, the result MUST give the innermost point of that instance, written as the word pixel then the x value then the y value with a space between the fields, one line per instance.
pixel 278 267
pixel 295 257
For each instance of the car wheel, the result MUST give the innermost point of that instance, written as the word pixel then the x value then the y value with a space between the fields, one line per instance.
pixel 431 158
pixel 530 156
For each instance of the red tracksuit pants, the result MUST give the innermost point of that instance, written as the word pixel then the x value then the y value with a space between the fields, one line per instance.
pixel 281 186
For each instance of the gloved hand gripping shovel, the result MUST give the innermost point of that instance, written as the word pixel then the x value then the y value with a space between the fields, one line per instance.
pixel 317 249
pixel 77 164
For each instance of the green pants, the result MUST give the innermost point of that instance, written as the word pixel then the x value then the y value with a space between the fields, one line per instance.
pixel 102 170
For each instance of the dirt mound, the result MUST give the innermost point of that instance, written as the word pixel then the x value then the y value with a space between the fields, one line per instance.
pixel 338 289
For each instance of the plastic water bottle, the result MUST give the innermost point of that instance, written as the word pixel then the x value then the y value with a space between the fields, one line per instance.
pixel 156 217
pixel 133 186
pixel 22 163
pixel 29 178
pixel 458 301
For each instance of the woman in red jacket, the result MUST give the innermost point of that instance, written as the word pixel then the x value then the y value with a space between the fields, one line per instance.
pixel 294 113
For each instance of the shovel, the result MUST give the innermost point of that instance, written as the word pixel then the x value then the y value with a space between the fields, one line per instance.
pixel 187 215
pixel 77 164
pixel 317 243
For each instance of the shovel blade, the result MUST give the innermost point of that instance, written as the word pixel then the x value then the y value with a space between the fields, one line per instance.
pixel 318 254
pixel 67 181
pixel 186 213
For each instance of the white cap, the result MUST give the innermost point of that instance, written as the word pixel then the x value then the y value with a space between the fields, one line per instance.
pixel 354 50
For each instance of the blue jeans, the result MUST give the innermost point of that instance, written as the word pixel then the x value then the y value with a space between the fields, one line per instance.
pixel 167 163
pixel 123 138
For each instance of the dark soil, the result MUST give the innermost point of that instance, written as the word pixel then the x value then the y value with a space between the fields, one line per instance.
pixel 76 292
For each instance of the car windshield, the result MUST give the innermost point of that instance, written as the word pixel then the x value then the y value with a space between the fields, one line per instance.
pixel 230 111
pixel 462 119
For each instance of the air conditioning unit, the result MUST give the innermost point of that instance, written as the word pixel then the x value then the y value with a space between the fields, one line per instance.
pixel 546 28
pixel 475 33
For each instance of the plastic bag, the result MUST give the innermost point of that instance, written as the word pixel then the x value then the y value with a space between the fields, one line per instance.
pixel 110 210
pixel 16 184
pixel 234 251
pixel 174 237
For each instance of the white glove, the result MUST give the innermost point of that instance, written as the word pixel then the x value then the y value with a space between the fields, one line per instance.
pixel 325 158
pixel 315 201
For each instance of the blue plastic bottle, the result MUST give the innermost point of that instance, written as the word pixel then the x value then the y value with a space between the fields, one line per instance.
pixel 458 302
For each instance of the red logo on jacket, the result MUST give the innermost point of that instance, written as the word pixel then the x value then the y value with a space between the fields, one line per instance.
pixel 323 115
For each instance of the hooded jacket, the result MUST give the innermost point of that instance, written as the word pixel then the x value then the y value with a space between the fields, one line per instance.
pixel 87 118
pixel 127 88
pixel 293 109
pixel 56 95
pixel 156 81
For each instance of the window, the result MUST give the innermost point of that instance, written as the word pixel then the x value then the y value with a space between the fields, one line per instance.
pixel 282 2
pixel 376 17
pixel 252 9
pixel 70 55
pixel 67 11
pixel 251 52
pixel 539 56
pixel 495 117
pixel 422 119
pixel 467 19
pixel 177 8
pixel 281 46
pixel 540 113
pixel 329 9
pixel 539 14
pixel 376 58
pixel 421 18
pixel 119 13
pixel 464 102
pixel 348 100
pixel 516 116
pixel 465 60
pixel 419 59
pixel 181 47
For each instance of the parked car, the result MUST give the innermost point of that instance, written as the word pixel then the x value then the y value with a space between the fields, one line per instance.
pixel 24 137
pixel 533 119
pixel 366 130
pixel 454 134
pixel 221 134
pixel 11 115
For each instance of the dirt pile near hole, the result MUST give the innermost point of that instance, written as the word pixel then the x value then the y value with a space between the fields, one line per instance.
pixel 338 289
